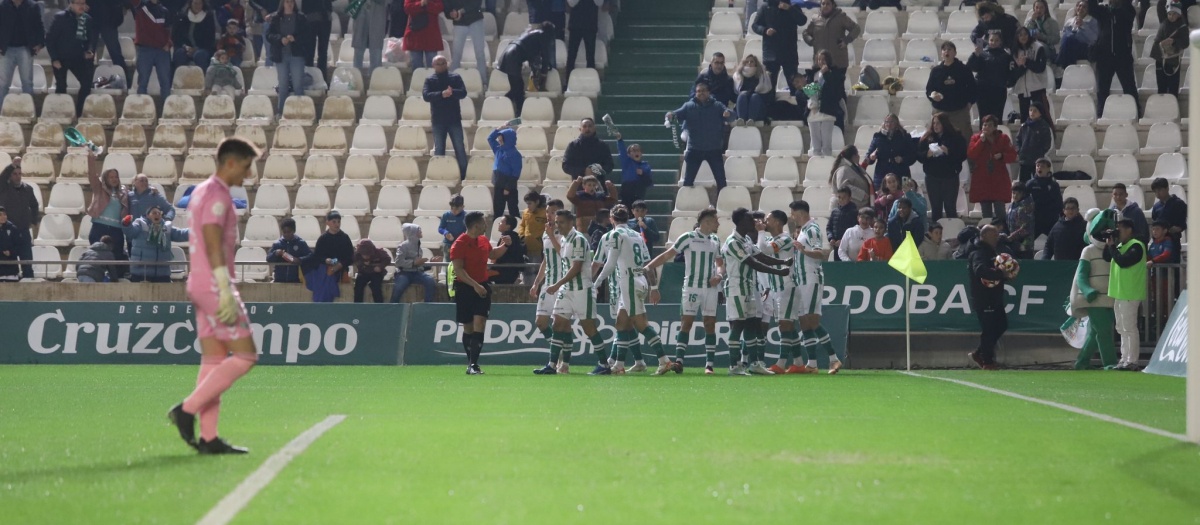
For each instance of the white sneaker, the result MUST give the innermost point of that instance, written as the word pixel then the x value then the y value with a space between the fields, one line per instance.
pixel 737 371
pixel 637 367
pixel 739 122
pixel 759 369
pixel 564 368
pixel 662 370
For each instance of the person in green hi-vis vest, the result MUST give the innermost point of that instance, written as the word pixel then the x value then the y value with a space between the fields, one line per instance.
pixel 1127 286
pixel 1089 292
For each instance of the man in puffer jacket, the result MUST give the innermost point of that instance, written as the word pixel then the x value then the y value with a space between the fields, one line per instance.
pixel 152 238
pixel 100 251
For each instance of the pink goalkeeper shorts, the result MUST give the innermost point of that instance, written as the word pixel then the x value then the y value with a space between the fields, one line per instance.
pixel 207 324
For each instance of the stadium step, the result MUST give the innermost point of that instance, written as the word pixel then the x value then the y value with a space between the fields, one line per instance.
pixel 637 88
pixel 643 101
pixel 667 30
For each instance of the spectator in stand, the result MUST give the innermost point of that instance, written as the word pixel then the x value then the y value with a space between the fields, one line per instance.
pixel 588 198
pixel 21 37
pixel 531 228
pixel 1067 238
pixel 443 90
pixel 22 211
pixel 993 68
pixel 506 170
pixel 991 152
pixel 848 174
pixel 467 16
pixel 90 270
pixel 586 151
pixel 601 224
pixel 154 47
pixel 424 36
pixel 1127 286
pixel 933 248
pixel 233 45
pixel 703 119
pixel 1029 83
pixel 290 39
pixel 71 43
pixel 832 30
pixel 256 27
pixel 108 16
pixel 951 88
pixel 635 172
pixel 1044 28
pixel 109 206
pixel 1079 33
pixel 370 265
pixel 287 252
pixel 194 36
pixel 843 217
pixel 888 195
pixel 582 28
pixel 12 243
pixel 1019 222
pixel 1163 249
pixel 905 221
pixel 778 22
pixel 942 150
pixel 1112 53
pixel 1047 198
pixel 877 248
pixel 370 28
pixel 535 46
pixel 222 77
pixel 1168 208
pixel 716 77
pixel 231 10
pixel 558 18
pixel 993 18
pixel 410 265
pixel 1167 51
pixel 514 256
pixel 1130 210
pixel 142 197
pixel 1033 141
pixel 320 21
pixel 920 207
pixel 987 296
pixel 755 92
pixel 333 254
pixel 644 225
pixel 826 111
pixel 892 150
pixel 854 237
pixel 397 19
pixel 151 236
pixel 453 223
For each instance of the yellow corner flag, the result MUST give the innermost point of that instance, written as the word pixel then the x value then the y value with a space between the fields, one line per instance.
pixel 908 261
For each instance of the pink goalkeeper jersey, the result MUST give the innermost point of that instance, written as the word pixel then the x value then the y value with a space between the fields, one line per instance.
pixel 211 203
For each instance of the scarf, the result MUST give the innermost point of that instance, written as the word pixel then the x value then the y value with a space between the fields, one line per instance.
pixel 81 25
pixel 155 236
pixel 196 18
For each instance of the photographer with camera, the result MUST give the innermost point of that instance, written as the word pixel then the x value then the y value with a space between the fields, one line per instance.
pixel 1127 286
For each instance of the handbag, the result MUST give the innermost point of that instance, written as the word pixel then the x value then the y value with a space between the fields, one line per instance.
pixel 418 22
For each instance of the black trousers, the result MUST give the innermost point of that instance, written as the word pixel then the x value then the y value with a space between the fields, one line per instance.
pixel 790 67
pixel 1027 172
pixel 991 102
pixel 631 192
pixel 993 322
pixel 943 197
pixel 1104 73
pixel 589 48
pixel 501 184
pixel 692 160
pixel 321 29
pixel 511 66
pixel 82 69
pixel 365 279
pixel 1167 82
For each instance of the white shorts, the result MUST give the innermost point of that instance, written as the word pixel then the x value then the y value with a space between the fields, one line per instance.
pixel 767 312
pixel 545 303
pixel 614 299
pixel 738 308
pixel 788 303
pixel 701 301
pixel 575 304
pixel 810 295
pixel 632 291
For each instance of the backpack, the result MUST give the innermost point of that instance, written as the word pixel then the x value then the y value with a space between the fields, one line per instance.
pixel 870 78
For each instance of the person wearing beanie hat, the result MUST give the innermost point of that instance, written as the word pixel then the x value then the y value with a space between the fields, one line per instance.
pixel 334 250
pixel 1033 141
pixel 1169 46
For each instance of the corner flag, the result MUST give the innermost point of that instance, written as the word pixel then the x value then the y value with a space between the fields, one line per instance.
pixel 908 261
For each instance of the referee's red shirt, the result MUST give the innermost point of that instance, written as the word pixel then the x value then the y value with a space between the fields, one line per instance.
pixel 474 252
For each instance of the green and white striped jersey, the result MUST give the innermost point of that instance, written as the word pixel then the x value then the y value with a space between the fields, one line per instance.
pixel 782 247
pixel 626 251
pixel 575 248
pixel 808 269
pixel 700 253
pixel 554 270
pixel 740 277
pixel 601 257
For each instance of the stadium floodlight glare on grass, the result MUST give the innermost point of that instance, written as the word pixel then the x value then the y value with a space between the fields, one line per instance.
pixel 1193 270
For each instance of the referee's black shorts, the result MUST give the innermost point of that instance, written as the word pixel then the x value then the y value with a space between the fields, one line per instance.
pixel 468 304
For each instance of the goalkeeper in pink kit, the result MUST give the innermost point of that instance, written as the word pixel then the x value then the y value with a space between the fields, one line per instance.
pixel 222 325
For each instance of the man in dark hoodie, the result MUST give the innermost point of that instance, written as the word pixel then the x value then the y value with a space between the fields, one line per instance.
pixel 1047 198
pixel 777 22
pixel 717 78
pixel 993 69
pixel 443 90
pixel 1033 141
pixel 109 15
pixel 287 252
pixel 514 255
pixel 1067 238
pixel 987 297
pixel 993 18
pixel 410 266
pixel 21 37
pixel 17 197
pixel 71 43
pixel 335 251
pixel 1113 51
pixel 585 151
pixel 371 264
pixel 951 89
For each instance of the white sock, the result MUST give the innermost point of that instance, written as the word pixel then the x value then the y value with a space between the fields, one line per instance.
pixel 812 363
pixel 834 359
pixel 664 361
pixel 640 362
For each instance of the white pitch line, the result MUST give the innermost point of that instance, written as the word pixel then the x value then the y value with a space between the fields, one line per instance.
pixel 1060 406
pixel 235 501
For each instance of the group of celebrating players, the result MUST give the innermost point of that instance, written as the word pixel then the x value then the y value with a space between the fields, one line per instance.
pixel 764 272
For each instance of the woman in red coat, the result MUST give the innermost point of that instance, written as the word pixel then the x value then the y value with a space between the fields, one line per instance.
pixel 423 39
pixel 991 185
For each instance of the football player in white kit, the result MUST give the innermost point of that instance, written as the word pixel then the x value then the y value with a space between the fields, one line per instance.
pixel 704 271
pixel 548 273
pixel 620 347
pixel 760 237
pixel 787 294
pixel 627 254
pixel 810 243
pixel 743 304
pixel 574 297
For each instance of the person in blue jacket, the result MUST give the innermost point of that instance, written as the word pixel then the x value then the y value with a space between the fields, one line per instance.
pixel 635 173
pixel 506 170
pixel 454 223
pixel 287 252
pixel 703 119
pixel 152 238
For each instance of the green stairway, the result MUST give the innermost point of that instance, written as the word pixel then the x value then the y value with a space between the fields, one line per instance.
pixel 653 60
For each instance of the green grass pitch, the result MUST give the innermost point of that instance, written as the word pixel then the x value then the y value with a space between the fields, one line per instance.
pixel 90 444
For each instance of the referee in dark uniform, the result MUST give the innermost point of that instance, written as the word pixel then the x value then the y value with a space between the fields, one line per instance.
pixel 470 254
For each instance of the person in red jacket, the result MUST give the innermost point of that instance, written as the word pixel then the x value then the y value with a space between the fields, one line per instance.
pixel 152 36
pixel 991 185
pixel 423 39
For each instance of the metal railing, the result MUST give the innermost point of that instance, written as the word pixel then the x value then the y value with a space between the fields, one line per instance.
pixel 1165 282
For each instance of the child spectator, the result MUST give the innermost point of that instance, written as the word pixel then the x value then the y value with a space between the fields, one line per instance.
pixel 888 195
pixel 1047 198
pixel 600 225
pixel 514 255
pixel 410 266
pixel 326 267
pixel 933 248
pixel 1019 223
pixel 453 223
pixel 151 237
pixel 287 251
pixel 854 237
pixel 590 199
pixel 531 228
pixel 1067 238
pixel 221 77
pixel 635 173
pixel 1163 249
pixel 232 11
pixel 1130 210
pixel 843 217
pixel 371 264
pixel 643 224
pixel 877 248
pixel 11 243
pixel 98 252
pixel 1033 141
pixel 506 170
pixel 993 67
pixel 231 42
pixel 905 221
pixel 1167 51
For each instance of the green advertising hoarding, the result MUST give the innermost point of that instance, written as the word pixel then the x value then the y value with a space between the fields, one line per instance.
pixel 513 339
pixel 164 333
pixel 1171 354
